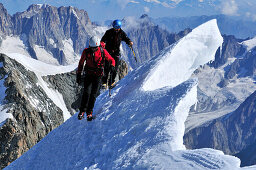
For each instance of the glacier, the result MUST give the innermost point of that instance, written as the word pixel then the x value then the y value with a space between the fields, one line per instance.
pixel 141 126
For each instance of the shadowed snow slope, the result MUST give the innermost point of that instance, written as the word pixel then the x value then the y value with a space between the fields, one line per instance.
pixel 136 128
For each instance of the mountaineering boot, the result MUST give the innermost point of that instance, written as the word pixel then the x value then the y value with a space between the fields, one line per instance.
pixel 89 116
pixel 80 115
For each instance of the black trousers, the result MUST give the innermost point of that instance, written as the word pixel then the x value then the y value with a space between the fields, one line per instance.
pixel 107 70
pixel 92 84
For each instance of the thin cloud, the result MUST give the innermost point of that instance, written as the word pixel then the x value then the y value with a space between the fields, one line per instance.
pixel 134 2
pixel 229 7
pixel 169 4
pixel 146 9
pixel 123 3
pixel 156 1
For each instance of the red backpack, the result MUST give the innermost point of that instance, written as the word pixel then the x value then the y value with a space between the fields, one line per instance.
pixel 94 64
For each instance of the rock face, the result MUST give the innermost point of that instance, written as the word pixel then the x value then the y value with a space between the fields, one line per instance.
pixel 233 133
pixel 243 67
pixel 51 27
pixel 230 48
pixel 35 115
pixel 65 84
pixel 5 22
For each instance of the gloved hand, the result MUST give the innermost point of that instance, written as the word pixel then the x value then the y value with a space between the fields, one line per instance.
pixel 78 78
pixel 112 69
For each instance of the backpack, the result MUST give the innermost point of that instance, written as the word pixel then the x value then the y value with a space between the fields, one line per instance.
pixel 92 65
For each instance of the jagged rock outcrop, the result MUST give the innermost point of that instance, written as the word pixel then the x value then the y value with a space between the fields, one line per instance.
pixel 243 67
pixel 230 48
pixel 231 133
pixel 65 84
pixel 5 22
pixel 225 71
pixel 34 114
pixel 52 27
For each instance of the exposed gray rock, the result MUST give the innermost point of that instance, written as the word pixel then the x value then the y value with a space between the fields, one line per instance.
pixel 122 69
pixel 5 22
pixel 230 48
pixel 66 85
pixel 243 67
pixel 49 26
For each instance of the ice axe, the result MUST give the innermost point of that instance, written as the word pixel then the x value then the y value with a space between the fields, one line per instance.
pixel 133 53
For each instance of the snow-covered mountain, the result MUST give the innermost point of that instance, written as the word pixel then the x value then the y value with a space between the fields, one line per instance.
pixel 47 33
pixel 142 124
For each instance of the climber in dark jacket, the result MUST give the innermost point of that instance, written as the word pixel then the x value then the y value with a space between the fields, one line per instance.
pixel 95 57
pixel 112 40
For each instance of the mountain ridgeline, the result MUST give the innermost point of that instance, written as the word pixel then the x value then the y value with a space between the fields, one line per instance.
pixel 51 28
pixel 47 26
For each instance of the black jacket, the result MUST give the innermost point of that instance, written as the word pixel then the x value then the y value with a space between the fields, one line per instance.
pixel 113 39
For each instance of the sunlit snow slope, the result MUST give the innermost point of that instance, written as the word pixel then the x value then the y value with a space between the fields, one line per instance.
pixel 141 125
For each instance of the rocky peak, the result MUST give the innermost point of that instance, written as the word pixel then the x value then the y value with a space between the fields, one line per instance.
pixel 231 48
pixel 53 28
pixel 5 22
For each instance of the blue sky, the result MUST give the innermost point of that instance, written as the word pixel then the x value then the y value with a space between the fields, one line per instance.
pixel 100 10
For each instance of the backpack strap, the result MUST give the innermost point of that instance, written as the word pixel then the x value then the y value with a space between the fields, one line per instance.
pixel 102 56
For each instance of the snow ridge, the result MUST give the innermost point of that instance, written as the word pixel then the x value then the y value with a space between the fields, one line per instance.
pixel 180 61
pixel 135 128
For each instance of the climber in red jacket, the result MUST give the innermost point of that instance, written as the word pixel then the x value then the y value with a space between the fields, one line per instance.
pixel 95 57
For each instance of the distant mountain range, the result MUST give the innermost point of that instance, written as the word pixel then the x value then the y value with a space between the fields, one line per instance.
pixel 228 25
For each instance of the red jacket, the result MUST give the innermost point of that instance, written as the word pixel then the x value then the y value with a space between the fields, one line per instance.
pixel 90 64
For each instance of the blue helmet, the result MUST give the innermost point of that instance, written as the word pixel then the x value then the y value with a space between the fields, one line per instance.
pixel 117 24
